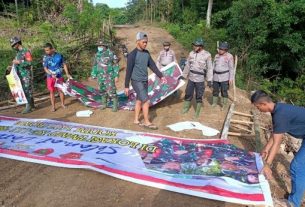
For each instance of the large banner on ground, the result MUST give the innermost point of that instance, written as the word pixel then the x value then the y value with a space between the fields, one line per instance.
pixel 16 87
pixel 156 91
pixel 212 169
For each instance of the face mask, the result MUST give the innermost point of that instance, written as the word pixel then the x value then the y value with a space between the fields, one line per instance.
pixel 100 49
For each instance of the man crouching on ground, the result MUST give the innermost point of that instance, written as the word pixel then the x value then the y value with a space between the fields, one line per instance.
pixel 288 119
pixel 137 62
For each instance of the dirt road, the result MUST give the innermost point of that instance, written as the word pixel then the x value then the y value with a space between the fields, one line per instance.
pixel 30 185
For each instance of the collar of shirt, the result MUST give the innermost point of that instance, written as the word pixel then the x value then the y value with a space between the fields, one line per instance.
pixel 275 108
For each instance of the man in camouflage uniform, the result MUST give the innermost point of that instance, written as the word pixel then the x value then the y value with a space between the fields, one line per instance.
pixel 106 70
pixel 23 64
pixel 166 56
pixel 223 73
pixel 197 68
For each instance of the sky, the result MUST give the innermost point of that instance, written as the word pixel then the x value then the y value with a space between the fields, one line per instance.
pixel 112 3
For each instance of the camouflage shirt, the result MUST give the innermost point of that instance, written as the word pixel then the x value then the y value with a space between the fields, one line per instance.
pixel 105 62
pixel 25 58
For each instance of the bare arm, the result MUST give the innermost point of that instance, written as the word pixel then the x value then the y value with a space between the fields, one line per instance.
pixel 266 149
pixel 66 71
pixel 276 143
pixel 47 71
pixel 277 140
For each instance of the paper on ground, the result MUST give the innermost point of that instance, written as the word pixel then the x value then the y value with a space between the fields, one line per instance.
pixel 180 126
pixel 85 113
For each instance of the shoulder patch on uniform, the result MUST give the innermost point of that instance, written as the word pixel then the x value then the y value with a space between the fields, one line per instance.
pixel 28 56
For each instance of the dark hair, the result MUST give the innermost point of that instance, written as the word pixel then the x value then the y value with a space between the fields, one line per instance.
pixel 48 45
pixel 260 96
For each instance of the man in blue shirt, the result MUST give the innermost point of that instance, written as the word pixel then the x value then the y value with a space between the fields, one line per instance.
pixel 54 64
pixel 288 119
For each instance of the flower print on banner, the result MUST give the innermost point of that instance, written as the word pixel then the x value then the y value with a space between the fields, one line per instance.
pixel 71 155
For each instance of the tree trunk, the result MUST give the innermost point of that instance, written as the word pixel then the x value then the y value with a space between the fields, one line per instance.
pixel 38 10
pixel 209 13
pixel 155 12
pixel 146 11
pixel 17 15
pixel 80 5
pixel 151 13
pixel 182 5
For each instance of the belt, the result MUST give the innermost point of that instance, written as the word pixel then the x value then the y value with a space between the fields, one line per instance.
pixel 197 72
pixel 222 72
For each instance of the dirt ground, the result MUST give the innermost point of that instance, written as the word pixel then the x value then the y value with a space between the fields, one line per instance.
pixel 30 185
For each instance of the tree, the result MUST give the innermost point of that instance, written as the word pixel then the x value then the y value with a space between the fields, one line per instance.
pixel 209 13
pixel 16 5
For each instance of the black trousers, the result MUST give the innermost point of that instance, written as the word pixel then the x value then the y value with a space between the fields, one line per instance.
pixel 189 91
pixel 223 86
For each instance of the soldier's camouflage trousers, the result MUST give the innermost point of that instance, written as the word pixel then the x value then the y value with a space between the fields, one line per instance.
pixel 26 81
pixel 107 87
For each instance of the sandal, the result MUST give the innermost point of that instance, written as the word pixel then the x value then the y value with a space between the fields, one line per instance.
pixel 53 110
pixel 138 123
pixel 150 126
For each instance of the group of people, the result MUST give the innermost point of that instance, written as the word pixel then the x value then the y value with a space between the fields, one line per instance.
pixel 105 69
pixel 199 68
pixel 53 64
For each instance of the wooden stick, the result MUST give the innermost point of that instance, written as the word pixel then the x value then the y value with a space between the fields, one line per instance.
pixel 242 128
pixel 36 100
pixel 243 114
pixel 258 141
pixel 43 98
pixel 263 128
pixel 234 86
pixel 240 134
pixel 125 26
pixel 8 107
pixel 241 121
pixel 226 125
pixel 35 95
pixel 4 102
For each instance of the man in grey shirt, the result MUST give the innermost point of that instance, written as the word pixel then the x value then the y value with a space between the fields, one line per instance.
pixel 137 62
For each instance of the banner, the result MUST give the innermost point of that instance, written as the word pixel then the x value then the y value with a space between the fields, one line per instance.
pixel 157 92
pixel 212 169
pixel 16 87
